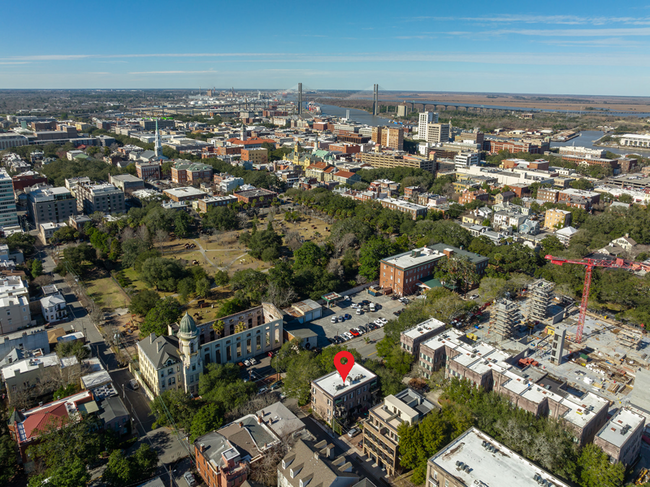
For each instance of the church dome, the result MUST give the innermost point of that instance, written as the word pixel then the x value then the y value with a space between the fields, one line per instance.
pixel 187 325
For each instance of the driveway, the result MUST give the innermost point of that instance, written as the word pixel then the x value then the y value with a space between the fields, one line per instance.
pixel 135 400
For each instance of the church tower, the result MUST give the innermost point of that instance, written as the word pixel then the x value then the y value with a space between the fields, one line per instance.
pixel 188 345
pixel 158 143
pixel 243 131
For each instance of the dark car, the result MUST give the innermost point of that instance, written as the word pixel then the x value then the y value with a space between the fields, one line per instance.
pixel 347 316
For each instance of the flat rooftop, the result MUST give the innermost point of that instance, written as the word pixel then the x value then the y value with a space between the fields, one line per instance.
pixel 424 327
pixel 333 385
pixel 188 191
pixel 414 258
pixel 583 409
pixel 619 429
pixel 483 467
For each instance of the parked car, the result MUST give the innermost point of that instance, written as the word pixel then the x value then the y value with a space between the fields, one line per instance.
pixel 271 354
pixel 189 478
pixel 347 316
pixel 334 319
pixel 253 361
pixel 349 335
pixel 354 332
pixel 247 363
pixel 342 318
pixel 134 384
pixel 353 432
pixel 262 390
pixel 359 311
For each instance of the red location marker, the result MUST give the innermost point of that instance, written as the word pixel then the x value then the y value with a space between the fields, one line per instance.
pixel 344 368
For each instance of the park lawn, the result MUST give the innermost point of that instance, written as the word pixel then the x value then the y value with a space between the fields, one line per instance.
pixel 137 284
pixel 106 294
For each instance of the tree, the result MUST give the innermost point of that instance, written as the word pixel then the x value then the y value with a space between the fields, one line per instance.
pixel 179 404
pixel 309 255
pixel 551 245
pixel 132 249
pixel 161 273
pixel 371 254
pixel 626 198
pixel 21 241
pixel 209 418
pixel 221 278
pixel 203 287
pixel 582 184
pixel 166 312
pixel 143 302
pixel 119 471
pixel 458 272
pixel 7 457
pixel 72 473
pixel 303 369
pixel 597 471
pixel 37 268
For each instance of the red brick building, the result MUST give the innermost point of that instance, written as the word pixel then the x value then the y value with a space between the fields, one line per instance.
pixel 469 196
pixel 515 146
pixel 258 197
pixel 27 179
pixel 230 150
pixel 184 172
pixel 148 170
pixel 345 148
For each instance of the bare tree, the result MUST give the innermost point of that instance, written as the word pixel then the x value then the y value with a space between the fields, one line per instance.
pixel 360 279
pixel 265 470
pixel 161 237
pixel 345 242
pixel 280 297
pixel 143 233
pixel 127 234
pixel 43 280
pixel 292 240
pixel 335 268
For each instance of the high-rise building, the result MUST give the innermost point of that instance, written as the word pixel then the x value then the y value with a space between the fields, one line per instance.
pixel 8 213
pixel 51 205
pixel 99 197
pixel 423 124
pixel 158 143
pixel 392 137
pixel 438 132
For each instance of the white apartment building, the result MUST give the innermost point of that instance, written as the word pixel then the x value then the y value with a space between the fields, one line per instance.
pixel 438 133
pixel 423 124
pixel 8 213
pixel 466 159
pixel 582 151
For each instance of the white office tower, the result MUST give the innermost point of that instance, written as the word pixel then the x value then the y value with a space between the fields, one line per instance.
pixel 158 143
pixel 423 124
pixel 8 213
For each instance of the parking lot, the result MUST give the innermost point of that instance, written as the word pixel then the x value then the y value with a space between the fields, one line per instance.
pixel 365 344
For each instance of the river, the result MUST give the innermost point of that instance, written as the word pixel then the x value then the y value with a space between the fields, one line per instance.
pixel 360 116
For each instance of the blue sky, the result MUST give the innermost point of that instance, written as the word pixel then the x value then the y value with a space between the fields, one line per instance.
pixel 569 47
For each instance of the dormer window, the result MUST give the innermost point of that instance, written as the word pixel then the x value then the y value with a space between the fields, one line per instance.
pixel 295 471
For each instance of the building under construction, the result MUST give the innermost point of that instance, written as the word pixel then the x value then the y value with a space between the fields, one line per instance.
pixel 540 296
pixel 629 338
pixel 505 317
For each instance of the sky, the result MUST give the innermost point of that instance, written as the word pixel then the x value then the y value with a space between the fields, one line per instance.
pixel 550 47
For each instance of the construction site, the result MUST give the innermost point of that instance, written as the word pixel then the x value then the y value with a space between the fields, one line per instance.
pixel 605 360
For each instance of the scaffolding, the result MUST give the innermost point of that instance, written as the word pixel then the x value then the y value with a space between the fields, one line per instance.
pixel 540 296
pixel 629 338
pixel 505 316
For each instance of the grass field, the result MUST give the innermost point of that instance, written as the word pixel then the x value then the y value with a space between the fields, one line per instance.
pixel 106 294
pixel 217 296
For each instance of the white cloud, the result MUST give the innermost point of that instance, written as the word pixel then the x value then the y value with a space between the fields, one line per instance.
pixel 174 72
pixel 539 19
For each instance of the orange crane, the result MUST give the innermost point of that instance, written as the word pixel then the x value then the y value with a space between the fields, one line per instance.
pixel 589 265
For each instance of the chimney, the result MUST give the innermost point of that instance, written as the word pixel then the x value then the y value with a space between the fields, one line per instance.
pixel 329 451
pixel 448 252
pixel 259 419
pixel 241 424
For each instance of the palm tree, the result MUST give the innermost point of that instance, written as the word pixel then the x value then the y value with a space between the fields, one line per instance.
pixel 218 327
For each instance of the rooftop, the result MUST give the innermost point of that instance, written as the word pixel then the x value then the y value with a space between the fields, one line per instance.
pixel 471 256
pixel 618 429
pixel 50 194
pixel 424 327
pixel 282 421
pixel 187 191
pixel 476 459
pixel 407 406
pixel 333 385
pixel 414 257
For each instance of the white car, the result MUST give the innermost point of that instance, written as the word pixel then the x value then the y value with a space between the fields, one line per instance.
pixel 189 478
pixel 354 306
pixel 349 335
pixel 359 312
pixel 334 319
pixel 247 363
pixel 253 361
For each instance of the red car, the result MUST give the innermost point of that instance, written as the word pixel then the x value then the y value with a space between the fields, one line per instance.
pixel 354 333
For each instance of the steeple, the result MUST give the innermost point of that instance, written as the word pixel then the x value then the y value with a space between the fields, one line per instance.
pixel 157 143
pixel 243 131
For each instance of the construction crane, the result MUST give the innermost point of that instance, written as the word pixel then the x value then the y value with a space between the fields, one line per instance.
pixel 589 265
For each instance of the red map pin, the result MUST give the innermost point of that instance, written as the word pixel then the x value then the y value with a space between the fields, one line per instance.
pixel 344 368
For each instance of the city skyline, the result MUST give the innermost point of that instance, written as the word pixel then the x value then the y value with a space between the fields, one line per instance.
pixel 425 47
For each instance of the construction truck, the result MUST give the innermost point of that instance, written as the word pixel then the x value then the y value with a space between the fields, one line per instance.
pixel 644 477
